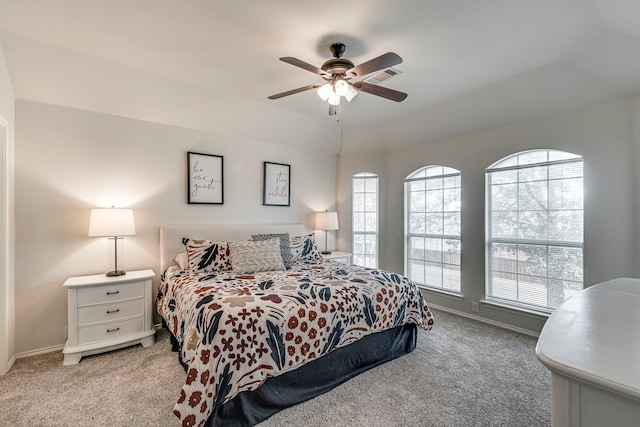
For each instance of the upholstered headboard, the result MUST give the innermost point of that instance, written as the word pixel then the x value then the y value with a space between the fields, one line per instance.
pixel 171 235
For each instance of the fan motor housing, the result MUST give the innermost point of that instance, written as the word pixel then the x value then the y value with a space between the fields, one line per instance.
pixel 337 66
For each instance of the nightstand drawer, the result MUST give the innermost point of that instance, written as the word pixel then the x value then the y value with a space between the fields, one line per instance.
pixel 109 331
pixel 109 312
pixel 109 293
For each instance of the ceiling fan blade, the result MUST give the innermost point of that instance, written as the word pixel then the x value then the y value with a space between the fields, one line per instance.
pixel 387 60
pixel 293 91
pixel 304 65
pixel 384 92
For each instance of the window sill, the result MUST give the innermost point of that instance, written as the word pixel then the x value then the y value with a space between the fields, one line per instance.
pixel 442 292
pixel 516 309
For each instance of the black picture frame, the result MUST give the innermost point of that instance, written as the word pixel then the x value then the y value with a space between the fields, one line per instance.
pixel 276 184
pixel 205 179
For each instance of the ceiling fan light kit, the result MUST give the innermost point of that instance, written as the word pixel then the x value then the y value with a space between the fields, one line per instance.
pixel 338 71
pixel 324 91
pixel 341 87
pixel 334 98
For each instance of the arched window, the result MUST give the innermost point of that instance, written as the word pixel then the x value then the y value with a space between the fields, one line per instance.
pixel 365 219
pixel 535 229
pixel 432 227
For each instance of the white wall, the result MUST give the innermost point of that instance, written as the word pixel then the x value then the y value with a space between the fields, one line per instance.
pixel 604 135
pixel 69 161
pixel 7 294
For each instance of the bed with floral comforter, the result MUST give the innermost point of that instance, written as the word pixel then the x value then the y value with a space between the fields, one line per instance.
pixel 235 331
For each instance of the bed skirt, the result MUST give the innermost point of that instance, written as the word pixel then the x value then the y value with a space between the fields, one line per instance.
pixel 314 378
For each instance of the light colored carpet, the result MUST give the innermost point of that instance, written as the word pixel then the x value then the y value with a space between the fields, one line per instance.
pixel 463 373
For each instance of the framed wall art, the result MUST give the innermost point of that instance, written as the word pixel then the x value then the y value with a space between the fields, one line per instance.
pixel 277 184
pixel 205 179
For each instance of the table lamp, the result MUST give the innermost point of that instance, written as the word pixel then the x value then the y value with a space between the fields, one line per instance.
pixel 326 221
pixel 112 223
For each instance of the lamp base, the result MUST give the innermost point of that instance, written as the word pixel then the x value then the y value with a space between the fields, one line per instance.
pixel 326 252
pixel 115 273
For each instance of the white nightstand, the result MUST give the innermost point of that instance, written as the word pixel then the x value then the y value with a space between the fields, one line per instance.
pixel 343 257
pixel 107 313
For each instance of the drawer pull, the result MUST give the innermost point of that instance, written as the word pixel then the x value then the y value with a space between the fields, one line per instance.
pixel 117 310
pixel 113 330
pixel 113 293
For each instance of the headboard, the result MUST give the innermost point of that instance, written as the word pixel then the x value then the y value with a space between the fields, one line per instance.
pixel 171 235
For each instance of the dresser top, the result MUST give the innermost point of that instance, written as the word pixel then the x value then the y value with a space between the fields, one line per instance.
pixel 593 337
pixel 102 279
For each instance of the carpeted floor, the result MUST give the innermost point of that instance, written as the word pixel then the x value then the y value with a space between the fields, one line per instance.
pixel 463 373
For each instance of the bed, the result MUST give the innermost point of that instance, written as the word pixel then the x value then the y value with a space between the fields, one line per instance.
pixel 281 326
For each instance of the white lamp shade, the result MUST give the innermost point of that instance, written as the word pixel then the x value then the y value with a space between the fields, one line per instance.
pixel 351 93
pixel 324 91
pixel 334 98
pixel 327 221
pixel 111 222
pixel 342 87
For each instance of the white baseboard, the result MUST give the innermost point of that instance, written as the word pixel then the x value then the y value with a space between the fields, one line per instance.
pixel 485 320
pixel 52 349
pixel 39 351
pixel 437 307
pixel 5 369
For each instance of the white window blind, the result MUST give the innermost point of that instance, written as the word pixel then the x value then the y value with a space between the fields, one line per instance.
pixel 535 229
pixel 432 227
pixel 365 219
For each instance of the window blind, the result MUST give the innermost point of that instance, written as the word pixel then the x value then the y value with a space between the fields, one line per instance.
pixel 432 223
pixel 535 229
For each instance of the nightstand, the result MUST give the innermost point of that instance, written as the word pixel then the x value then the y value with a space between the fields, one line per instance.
pixel 107 313
pixel 343 257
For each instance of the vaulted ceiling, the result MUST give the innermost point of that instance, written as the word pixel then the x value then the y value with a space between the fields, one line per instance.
pixel 468 64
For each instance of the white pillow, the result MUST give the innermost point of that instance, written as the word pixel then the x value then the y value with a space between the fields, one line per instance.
pixel 182 259
pixel 250 256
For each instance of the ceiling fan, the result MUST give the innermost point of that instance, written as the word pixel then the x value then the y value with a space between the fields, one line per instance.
pixel 337 73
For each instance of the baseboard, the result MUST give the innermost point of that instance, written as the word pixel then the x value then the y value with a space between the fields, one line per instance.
pixel 39 351
pixel 485 320
pixel 437 307
pixel 53 348
pixel 5 369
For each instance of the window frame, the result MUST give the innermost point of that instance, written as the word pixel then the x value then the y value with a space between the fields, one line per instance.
pixel 376 234
pixel 408 235
pixel 546 244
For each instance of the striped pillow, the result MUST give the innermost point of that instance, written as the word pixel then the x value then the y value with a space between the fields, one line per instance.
pixel 253 256
pixel 285 246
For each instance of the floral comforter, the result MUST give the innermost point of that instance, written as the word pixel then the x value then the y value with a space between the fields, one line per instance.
pixel 236 331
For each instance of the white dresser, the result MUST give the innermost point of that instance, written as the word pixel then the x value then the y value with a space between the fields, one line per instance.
pixel 591 345
pixel 107 313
